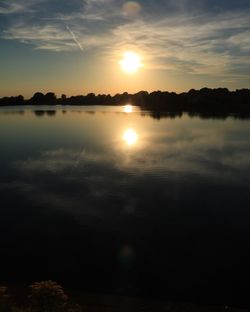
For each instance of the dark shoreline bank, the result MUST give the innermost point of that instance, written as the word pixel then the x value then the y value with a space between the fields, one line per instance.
pixel 204 101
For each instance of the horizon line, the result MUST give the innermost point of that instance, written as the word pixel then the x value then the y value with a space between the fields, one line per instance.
pixel 59 95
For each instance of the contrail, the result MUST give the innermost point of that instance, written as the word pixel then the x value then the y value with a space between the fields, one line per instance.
pixel 74 38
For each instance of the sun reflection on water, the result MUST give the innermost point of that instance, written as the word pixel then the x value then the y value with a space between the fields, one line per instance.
pixel 130 136
pixel 128 108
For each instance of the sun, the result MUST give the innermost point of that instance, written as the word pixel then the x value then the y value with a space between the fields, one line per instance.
pixel 131 62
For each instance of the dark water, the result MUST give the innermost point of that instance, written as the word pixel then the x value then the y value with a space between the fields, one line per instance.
pixel 122 203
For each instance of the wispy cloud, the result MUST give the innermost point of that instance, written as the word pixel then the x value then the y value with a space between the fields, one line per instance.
pixel 193 41
pixel 50 37
pixel 14 7
pixel 200 44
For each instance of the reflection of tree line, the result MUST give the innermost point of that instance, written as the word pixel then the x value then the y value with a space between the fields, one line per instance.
pixel 159 115
pixel 205 102
pixel 222 116
pixel 41 113
pixel 154 114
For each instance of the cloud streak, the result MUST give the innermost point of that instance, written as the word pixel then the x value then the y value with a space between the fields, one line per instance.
pixel 195 42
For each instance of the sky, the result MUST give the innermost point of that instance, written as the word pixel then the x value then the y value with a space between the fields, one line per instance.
pixel 75 47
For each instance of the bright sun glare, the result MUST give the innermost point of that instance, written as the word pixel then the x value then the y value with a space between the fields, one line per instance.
pixel 131 62
pixel 130 136
pixel 128 108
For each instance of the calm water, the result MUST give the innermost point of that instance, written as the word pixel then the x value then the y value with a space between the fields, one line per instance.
pixel 117 202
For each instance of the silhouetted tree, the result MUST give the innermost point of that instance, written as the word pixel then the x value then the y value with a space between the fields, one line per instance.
pixel 19 100
pixel 50 98
pixel 37 99
pixel 13 100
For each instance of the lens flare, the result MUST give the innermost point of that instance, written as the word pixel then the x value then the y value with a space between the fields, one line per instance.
pixel 131 8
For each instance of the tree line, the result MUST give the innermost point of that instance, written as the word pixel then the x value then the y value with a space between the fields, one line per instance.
pixel 219 100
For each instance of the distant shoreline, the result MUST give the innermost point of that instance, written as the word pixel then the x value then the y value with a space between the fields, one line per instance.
pixel 205 100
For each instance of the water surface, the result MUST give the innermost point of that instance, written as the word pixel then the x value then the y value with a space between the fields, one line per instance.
pixel 109 200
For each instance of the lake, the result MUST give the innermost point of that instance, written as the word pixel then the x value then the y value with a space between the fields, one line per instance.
pixel 121 201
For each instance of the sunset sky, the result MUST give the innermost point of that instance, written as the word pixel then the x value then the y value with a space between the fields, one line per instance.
pixel 77 46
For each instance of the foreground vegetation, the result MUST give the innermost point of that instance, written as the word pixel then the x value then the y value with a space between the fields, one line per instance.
pixel 48 296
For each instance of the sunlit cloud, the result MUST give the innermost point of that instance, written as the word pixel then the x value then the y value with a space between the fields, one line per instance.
pixel 187 39
pixel 197 45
